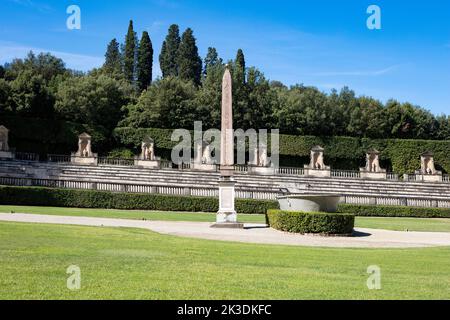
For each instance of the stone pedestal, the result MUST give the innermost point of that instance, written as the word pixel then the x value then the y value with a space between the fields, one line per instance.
pixel 320 173
pixel 151 164
pixel 261 170
pixel 227 216
pixel 6 155
pixel 204 167
pixel 92 160
pixel 373 175
pixel 429 177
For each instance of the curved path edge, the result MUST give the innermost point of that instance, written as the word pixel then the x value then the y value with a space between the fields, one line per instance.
pixel 367 238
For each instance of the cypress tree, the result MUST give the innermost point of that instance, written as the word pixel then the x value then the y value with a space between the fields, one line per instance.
pixel 169 50
pixel 212 59
pixel 129 61
pixel 240 66
pixel 189 62
pixel 145 62
pixel 113 59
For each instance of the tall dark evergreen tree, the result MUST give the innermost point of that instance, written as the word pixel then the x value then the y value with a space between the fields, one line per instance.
pixel 129 61
pixel 145 62
pixel 240 66
pixel 169 52
pixel 189 62
pixel 211 59
pixel 113 58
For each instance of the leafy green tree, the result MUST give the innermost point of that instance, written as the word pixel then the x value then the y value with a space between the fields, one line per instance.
pixel 167 103
pixel 113 58
pixel 169 52
pixel 209 97
pixel 30 95
pixel 145 62
pixel 5 93
pixel 212 59
pixel 129 59
pixel 94 99
pixel 189 61
pixel 2 72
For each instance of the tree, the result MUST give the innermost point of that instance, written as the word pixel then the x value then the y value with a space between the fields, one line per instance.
pixel 167 103
pixel 95 100
pixel 145 62
pixel 113 58
pixel 2 72
pixel 129 61
pixel 211 59
pixel 189 62
pixel 240 66
pixel 169 52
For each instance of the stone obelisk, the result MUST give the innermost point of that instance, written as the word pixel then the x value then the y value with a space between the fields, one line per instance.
pixel 226 216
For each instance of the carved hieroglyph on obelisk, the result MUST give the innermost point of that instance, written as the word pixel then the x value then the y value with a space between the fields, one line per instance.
pixel 226 216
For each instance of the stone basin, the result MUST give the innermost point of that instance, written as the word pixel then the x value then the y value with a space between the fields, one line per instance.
pixel 309 202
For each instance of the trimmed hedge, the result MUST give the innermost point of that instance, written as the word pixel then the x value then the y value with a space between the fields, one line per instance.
pixel 52 197
pixel 393 211
pixel 400 156
pixel 311 222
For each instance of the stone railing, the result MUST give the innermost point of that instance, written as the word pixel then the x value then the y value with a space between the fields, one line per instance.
pixel 392 176
pixel 397 201
pixel 261 194
pixel 116 162
pixel 290 171
pixel 347 174
pixel 244 169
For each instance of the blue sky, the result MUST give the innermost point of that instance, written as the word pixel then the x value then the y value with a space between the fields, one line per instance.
pixel 320 43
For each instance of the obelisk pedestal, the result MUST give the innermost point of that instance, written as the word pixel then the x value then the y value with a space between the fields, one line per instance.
pixel 227 216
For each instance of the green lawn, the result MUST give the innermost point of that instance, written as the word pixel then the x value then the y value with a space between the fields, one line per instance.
pixel 400 224
pixel 120 263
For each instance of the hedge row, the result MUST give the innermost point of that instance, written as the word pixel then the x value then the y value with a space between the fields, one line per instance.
pixel 394 211
pixel 311 222
pixel 51 197
pixel 402 156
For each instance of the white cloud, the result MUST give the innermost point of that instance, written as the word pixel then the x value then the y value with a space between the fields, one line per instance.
pixel 8 52
pixel 364 73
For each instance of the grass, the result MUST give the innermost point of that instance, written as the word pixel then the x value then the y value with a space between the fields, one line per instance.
pixel 399 224
pixel 121 263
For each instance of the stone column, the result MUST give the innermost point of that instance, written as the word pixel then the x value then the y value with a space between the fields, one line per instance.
pixel 226 216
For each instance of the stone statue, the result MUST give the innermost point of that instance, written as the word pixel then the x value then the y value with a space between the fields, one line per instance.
pixel 4 139
pixel 263 160
pixel 148 150
pixel 206 155
pixel 373 161
pixel 84 146
pixel 427 164
pixel 84 155
pixel 317 161
pixel 317 167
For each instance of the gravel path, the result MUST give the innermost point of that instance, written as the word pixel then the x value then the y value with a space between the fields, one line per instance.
pixel 365 238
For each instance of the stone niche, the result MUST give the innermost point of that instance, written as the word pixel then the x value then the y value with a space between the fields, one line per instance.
pixel 261 163
pixel 373 170
pixel 5 152
pixel 147 158
pixel 84 155
pixel 428 170
pixel 316 167
pixel 203 157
